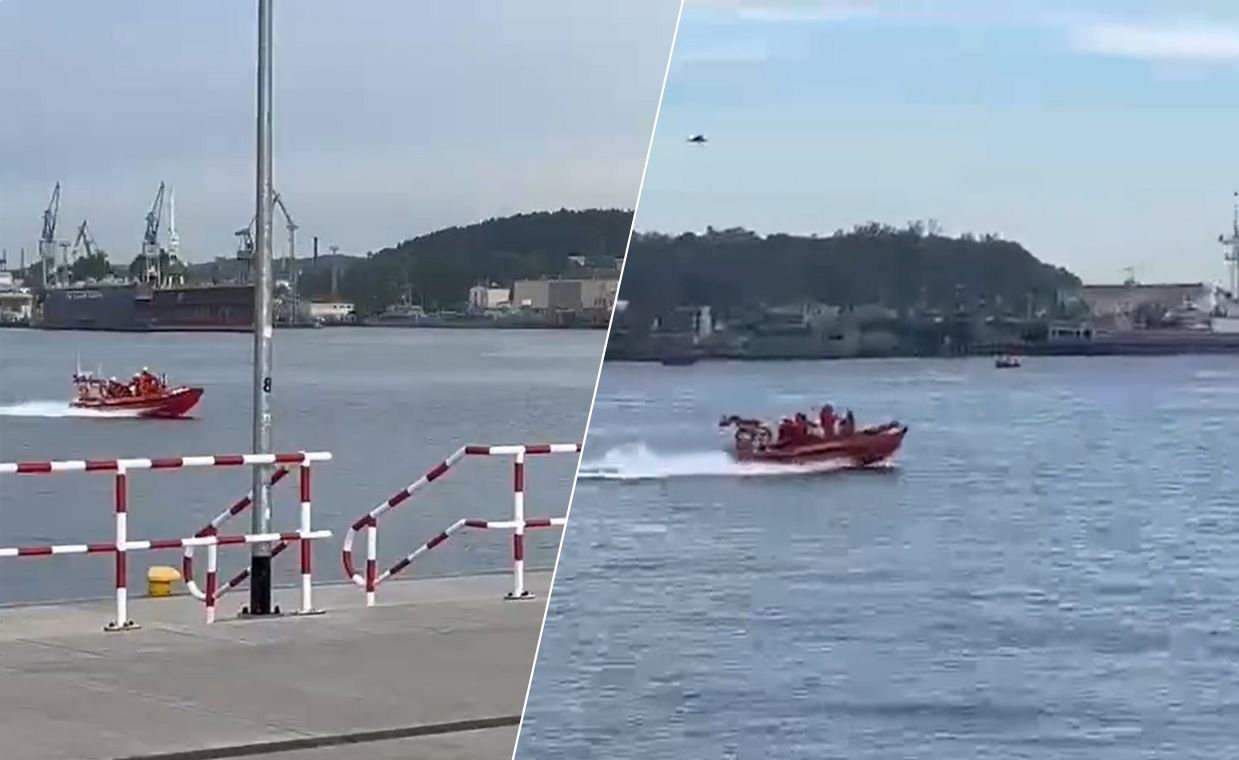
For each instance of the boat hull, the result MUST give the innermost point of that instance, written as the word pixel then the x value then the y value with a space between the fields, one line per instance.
pixel 176 402
pixel 864 449
pixel 130 307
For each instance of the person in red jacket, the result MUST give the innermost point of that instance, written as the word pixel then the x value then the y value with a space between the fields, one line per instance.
pixel 787 433
pixel 803 428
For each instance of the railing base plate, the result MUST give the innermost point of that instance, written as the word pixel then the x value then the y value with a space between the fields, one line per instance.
pixel 245 614
pixel 307 613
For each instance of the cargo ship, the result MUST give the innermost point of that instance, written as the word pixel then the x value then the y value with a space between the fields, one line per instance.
pixel 154 294
pixel 141 307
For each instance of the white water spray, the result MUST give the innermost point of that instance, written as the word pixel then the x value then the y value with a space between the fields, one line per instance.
pixel 639 462
pixel 56 409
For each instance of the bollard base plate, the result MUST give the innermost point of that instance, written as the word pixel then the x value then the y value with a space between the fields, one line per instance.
pixel 523 596
pixel 245 614
pixel 307 613
pixel 114 626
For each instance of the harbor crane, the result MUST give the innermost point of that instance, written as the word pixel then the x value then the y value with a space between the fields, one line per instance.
pixel 150 238
pixel 84 241
pixel 47 241
pixel 290 225
pixel 245 243
pixel 290 261
pixel 153 219
pixel 292 228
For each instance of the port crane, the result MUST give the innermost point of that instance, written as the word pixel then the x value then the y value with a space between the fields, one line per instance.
pixel 245 244
pixel 84 241
pixel 150 238
pixel 290 261
pixel 246 247
pixel 47 241
pixel 292 231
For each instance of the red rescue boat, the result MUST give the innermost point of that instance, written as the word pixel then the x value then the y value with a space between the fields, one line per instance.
pixel 146 395
pixel 756 442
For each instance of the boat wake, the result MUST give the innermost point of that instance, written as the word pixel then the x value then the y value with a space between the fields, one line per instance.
pixel 55 409
pixel 639 462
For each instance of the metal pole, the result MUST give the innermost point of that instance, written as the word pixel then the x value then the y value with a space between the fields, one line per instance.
pixel 260 560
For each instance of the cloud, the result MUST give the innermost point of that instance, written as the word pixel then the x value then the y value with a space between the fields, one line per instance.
pixel 1174 42
pixel 784 11
pixel 740 51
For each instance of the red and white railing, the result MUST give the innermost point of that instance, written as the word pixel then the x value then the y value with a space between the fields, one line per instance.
pixel 121 546
pixel 518 524
pixel 212 529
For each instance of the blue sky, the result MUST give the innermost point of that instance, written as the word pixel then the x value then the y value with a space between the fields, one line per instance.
pixel 393 118
pixel 1100 134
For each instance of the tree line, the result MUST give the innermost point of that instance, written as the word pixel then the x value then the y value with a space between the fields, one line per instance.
pixel 436 270
pixel 914 269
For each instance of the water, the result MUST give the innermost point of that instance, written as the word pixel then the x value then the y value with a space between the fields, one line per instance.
pixel 388 403
pixel 1048 571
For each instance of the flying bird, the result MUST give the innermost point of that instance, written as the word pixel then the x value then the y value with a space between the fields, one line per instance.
pixel 698 139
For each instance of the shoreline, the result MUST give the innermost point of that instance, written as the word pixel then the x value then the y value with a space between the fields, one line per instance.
pixel 1028 351
pixel 249 330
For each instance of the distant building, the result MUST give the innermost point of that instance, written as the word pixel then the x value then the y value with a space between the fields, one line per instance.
pixel 489 297
pixel 531 294
pixel 1225 324
pixel 705 323
pixel 1118 301
pixel 331 310
pixel 16 306
pixel 599 294
pixel 565 295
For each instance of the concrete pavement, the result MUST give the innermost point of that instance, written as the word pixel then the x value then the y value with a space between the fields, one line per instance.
pixel 438 669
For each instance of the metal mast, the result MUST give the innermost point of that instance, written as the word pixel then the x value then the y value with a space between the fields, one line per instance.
pixel 260 559
pixel 174 239
pixel 1232 253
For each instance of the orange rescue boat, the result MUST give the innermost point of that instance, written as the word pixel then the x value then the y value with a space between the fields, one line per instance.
pixel 754 441
pixel 146 395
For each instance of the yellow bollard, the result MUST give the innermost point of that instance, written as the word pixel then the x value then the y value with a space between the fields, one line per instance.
pixel 159 580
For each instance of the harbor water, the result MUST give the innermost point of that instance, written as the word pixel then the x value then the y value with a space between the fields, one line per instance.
pixel 389 404
pixel 1047 571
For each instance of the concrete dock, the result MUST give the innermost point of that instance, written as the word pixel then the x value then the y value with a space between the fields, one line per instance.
pixel 437 670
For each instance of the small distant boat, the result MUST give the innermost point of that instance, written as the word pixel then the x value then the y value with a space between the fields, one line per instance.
pixel 679 360
pixel 1007 362
pixel 147 395
pixel 755 442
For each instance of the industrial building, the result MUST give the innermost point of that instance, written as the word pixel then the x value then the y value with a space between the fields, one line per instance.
pixel 16 302
pixel 330 310
pixel 486 297
pixel 1115 300
pixel 566 294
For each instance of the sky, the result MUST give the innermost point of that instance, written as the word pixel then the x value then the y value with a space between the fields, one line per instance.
pixel 392 118
pixel 1101 134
